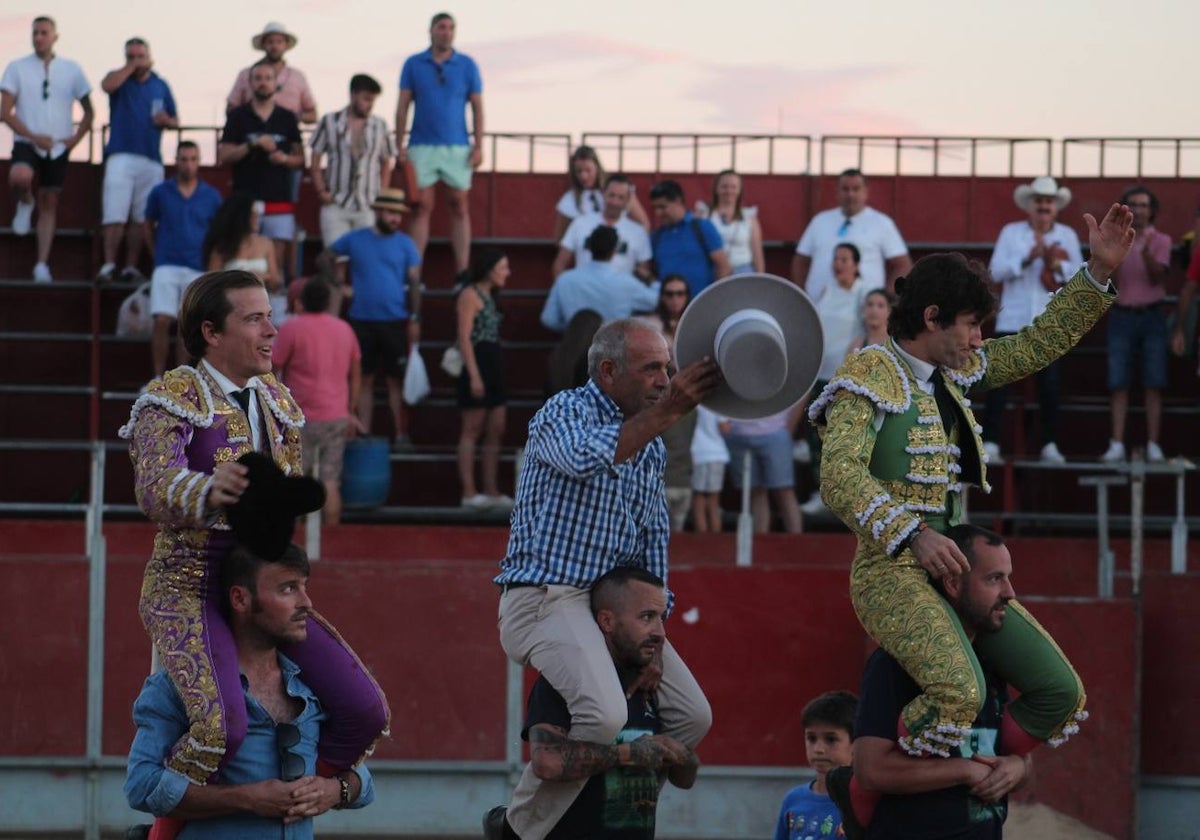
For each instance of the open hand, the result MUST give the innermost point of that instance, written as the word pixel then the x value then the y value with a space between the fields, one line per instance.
pixel 938 554
pixel 1109 240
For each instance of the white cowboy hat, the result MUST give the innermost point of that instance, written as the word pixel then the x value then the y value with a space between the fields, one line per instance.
pixel 764 334
pixel 273 28
pixel 1044 185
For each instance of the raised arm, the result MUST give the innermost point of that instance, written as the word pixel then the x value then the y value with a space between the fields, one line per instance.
pixel 556 757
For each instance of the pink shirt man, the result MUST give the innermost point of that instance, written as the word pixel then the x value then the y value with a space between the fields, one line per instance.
pixel 315 352
pixel 1135 287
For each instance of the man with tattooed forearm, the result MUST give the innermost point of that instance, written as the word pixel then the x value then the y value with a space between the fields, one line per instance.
pixel 623 778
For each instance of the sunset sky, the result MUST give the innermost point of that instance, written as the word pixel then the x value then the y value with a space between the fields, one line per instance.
pixel 1018 68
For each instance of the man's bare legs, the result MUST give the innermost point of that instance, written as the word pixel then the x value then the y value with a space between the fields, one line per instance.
pixel 418 229
pixel 460 227
pixel 159 340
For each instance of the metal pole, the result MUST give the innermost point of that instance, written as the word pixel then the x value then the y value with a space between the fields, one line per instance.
pixel 745 526
pixel 512 721
pixel 312 522
pixel 1137 490
pixel 95 666
pixel 1179 529
pixel 1106 564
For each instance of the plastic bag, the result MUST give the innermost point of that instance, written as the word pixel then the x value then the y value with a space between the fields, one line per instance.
pixel 133 318
pixel 416 379
pixel 452 361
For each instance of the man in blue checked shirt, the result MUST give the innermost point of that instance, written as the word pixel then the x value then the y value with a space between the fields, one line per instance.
pixel 591 497
pixel 268 789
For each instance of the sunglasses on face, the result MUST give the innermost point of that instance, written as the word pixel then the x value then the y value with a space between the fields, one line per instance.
pixel 291 764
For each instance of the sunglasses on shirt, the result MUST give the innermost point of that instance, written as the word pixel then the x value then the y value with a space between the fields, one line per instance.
pixel 46 88
pixel 291 764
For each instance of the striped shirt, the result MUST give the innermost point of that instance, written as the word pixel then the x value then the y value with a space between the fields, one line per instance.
pixel 353 180
pixel 577 514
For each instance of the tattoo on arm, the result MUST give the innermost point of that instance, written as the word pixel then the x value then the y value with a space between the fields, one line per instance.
pixel 574 759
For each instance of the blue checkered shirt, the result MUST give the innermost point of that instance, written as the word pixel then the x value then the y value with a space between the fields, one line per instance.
pixel 577 515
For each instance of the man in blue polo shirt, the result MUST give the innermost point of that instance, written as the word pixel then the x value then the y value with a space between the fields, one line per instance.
pixel 178 212
pixel 440 82
pixel 682 243
pixel 140 106
pixel 385 309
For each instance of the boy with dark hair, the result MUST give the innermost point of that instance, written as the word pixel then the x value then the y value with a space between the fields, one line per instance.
pixel 807 811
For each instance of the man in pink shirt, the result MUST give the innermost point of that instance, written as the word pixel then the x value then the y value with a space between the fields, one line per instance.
pixel 292 91
pixel 317 354
pixel 1137 325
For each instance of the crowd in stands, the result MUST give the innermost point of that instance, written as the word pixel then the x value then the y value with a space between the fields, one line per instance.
pixel 613 259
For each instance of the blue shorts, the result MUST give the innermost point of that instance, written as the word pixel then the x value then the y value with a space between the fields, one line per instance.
pixel 770 459
pixel 1137 333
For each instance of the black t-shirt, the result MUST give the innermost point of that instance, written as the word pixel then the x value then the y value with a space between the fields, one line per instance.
pixel 255 174
pixel 619 804
pixel 949 814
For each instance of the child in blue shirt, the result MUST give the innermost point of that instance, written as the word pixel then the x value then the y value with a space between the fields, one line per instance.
pixel 807 812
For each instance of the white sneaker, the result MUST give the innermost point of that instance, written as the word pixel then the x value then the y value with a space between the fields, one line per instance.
pixel 21 223
pixel 1154 453
pixel 476 502
pixel 992 450
pixel 802 452
pixel 107 273
pixel 814 505
pixel 1115 453
pixel 1051 455
pixel 41 273
pixel 500 501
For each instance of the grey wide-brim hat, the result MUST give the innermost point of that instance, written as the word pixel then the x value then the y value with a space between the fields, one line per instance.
pixel 764 334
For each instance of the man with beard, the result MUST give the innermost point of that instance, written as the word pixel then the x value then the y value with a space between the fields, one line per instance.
pixel 385 309
pixel 272 781
pixel 965 795
pixel 292 91
pixel 590 499
pixel 622 777
pixel 261 141
pixel 359 152
pixel 1033 259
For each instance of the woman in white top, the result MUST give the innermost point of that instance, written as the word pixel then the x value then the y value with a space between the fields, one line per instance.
pixel 233 243
pixel 738 225
pixel 876 311
pixel 586 194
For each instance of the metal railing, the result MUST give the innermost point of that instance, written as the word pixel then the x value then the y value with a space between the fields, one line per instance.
pixel 749 153
pixel 1138 157
pixel 887 155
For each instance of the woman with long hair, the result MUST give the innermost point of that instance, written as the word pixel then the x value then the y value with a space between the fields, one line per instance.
pixel 876 310
pixel 233 242
pixel 482 395
pixel 586 193
pixel 738 225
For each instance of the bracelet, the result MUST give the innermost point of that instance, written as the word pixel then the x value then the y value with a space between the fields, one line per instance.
pixel 344 793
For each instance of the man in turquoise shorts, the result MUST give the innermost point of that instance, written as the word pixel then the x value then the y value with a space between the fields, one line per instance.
pixel 441 82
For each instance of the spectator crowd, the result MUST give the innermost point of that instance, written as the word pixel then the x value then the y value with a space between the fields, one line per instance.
pixel 615 258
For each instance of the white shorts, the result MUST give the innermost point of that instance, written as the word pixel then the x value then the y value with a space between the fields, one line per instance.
pixel 278 226
pixel 167 284
pixel 336 221
pixel 128 180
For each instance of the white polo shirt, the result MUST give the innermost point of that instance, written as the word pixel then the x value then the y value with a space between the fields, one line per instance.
pixel 874 233
pixel 52 114
pixel 633 243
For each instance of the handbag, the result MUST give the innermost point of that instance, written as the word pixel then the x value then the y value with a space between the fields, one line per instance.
pixel 452 361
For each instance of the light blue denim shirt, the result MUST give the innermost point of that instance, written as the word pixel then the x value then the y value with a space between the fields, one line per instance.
pixel 162 720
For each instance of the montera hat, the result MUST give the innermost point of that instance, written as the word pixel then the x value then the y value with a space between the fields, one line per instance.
pixel 273 28
pixel 264 518
pixel 1044 185
pixel 390 198
pixel 764 334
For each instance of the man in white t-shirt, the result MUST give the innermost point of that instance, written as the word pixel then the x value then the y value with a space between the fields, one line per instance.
pixel 37 98
pixel 884 254
pixel 633 253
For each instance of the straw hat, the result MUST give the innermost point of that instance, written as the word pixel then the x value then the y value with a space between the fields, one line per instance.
pixel 391 198
pixel 1044 185
pixel 273 28
pixel 764 334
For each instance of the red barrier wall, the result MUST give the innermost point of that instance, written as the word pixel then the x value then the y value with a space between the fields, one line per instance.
pixel 762 641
